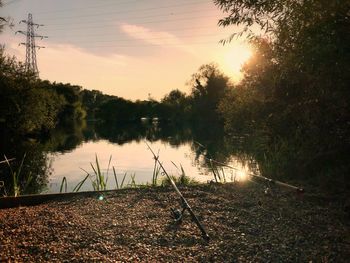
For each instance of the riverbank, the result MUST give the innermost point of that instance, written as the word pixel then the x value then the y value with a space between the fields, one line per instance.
pixel 244 224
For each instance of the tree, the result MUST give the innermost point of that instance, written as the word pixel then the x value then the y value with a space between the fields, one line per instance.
pixel 308 71
pixel 208 85
pixel 3 21
pixel 117 110
pixel 175 106
pixel 91 100
pixel 73 108
pixel 296 88
pixel 25 106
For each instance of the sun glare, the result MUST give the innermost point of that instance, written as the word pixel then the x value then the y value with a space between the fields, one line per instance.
pixel 234 58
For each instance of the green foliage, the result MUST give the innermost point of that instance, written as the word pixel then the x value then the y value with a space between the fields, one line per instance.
pixel 3 21
pixel 295 91
pixel 73 107
pixel 99 179
pixel 20 182
pixel 182 179
pixel 123 180
pixel 91 101
pixel 29 105
pixel 176 106
pixel 156 172
pixel 209 86
pixel 117 110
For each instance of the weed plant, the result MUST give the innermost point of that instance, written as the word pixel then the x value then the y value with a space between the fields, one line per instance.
pixel 182 179
pixel 64 183
pixel 98 179
pixel 20 182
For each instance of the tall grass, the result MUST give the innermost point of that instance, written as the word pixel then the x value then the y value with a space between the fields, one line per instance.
pixel 182 179
pixel 121 185
pixel 115 178
pixel 64 183
pixel 17 188
pixel 156 171
pixel 133 182
pixel 117 186
pixel 80 184
pixel 98 179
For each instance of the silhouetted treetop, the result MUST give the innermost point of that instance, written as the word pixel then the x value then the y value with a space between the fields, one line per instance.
pixel 276 16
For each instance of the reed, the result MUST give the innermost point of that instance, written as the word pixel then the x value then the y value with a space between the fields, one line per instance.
pixel 98 179
pixel 156 172
pixel 64 183
pixel 182 179
pixel 80 184
pixel 115 178
pixel 133 182
pixel 17 188
pixel 122 183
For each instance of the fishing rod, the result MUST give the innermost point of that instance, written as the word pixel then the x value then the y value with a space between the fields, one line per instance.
pixel 268 180
pixel 178 215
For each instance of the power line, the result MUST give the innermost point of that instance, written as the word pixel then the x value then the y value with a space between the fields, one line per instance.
pixel 141 22
pixel 84 8
pixel 125 11
pixel 152 38
pixel 129 18
pixel 168 30
pixel 152 45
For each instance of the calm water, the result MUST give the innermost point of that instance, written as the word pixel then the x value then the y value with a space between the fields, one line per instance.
pixel 131 158
pixel 68 152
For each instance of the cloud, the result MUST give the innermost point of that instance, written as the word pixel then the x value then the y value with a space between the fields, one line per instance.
pixel 128 76
pixel 69 63
pixel 158 38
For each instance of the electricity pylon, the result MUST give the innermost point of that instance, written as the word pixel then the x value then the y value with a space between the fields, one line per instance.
pixel 31 63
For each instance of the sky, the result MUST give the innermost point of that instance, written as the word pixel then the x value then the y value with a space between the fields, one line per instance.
pixel 129 48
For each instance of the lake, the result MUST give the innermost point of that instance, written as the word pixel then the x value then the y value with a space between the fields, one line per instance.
pixel 71 152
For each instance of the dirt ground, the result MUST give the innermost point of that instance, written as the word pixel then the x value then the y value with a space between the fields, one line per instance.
pixel 244 225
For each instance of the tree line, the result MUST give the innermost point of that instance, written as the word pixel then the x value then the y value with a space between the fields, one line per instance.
pixel 31 106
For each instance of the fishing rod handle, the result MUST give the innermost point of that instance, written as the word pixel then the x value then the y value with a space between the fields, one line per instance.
pixel 195 219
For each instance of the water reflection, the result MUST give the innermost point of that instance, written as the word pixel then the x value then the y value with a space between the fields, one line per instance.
pixel 36 165
pixel 68 149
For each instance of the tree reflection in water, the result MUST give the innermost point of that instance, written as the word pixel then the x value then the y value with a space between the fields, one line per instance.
pixel 67 138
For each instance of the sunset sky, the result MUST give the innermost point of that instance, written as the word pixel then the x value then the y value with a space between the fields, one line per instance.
pixel 128 48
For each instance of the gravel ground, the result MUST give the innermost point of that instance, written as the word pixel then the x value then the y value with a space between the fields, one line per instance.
pixel 244 224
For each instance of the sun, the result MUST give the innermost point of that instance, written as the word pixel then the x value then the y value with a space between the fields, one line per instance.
pixel 233 59
pixel 236 57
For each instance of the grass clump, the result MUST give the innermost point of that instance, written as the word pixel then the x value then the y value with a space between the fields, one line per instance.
pixel 19 182
pixel 98 178
pixel 181 180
